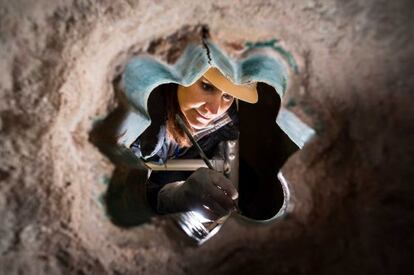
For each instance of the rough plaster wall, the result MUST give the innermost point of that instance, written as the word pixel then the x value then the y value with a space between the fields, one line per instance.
pixel 352 184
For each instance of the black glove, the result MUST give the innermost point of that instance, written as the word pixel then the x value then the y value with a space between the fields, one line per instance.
pixel 206 191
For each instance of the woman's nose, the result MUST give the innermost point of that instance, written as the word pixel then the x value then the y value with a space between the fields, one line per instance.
pixel 213 105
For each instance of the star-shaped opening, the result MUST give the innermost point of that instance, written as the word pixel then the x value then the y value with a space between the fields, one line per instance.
pixel 267 139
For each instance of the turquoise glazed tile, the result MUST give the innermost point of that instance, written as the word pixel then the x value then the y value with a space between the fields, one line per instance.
pixel 144 73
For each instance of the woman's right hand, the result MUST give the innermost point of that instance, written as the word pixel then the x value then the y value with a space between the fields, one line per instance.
pixel 206 191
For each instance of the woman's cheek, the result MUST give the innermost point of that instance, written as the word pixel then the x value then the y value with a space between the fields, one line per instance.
pixel 189 104
pixel 224 107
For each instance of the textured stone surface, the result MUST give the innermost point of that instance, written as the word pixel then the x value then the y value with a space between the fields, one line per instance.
pixel 353 183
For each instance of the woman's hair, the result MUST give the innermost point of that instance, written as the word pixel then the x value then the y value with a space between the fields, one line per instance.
pixel 174 131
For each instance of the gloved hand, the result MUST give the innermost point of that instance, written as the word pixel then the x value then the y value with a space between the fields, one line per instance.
pixel 206 191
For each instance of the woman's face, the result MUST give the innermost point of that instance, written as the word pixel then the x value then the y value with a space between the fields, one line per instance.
pixel 201 103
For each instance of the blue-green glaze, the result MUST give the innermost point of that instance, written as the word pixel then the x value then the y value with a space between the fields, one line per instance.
pixel 144 73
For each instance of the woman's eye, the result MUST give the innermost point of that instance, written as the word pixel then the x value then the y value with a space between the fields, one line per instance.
pixel 207 87
pixel 227 97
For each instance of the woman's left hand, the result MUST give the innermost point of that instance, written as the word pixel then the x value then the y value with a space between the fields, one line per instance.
pixel 206 191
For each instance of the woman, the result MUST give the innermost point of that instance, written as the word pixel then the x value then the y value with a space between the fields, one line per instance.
pixel 208 107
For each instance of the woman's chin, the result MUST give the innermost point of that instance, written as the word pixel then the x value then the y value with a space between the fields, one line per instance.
pixel 196 121
pixel 198 125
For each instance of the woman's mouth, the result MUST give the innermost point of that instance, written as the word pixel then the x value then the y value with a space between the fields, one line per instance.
pixel 203 116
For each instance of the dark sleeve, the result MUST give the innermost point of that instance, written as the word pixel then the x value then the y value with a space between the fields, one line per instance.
pixel 126 201
pixel 150 145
